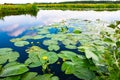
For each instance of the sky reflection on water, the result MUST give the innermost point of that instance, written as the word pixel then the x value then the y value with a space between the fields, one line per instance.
pixel 16 25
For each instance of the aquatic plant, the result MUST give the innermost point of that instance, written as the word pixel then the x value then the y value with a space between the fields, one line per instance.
pixel 99 58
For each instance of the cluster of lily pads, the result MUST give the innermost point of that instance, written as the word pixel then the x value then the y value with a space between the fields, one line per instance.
pixel 73 34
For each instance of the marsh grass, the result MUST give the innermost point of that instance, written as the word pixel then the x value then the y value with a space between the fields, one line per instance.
pixel 80 6
pixel 6 10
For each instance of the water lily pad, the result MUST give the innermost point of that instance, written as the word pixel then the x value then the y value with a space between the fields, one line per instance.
pixel 68 42
pixel 38 37
pixel 52 57
pixel 68 55
pixel 21 43
pixel 29 76
pixel 77 31
pixel 53 47
pixel 16 39
pixel 35 49
pixel 59 37
pixel 15 69
pixel 6 54
pixel 71 47
pixel 50 42
pixel 36 60
pixel 46 77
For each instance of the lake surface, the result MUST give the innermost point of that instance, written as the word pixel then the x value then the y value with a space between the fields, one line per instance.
pixel 15 26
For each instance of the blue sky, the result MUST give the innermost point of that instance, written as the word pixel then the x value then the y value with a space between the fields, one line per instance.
pixel 32 1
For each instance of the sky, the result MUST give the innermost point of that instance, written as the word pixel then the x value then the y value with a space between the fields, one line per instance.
pixel 32 1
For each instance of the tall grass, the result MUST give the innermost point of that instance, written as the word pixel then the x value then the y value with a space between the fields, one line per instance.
pixel 79 6
pixel 6 10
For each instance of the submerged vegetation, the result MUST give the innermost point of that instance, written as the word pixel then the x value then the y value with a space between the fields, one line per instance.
pixel 98 55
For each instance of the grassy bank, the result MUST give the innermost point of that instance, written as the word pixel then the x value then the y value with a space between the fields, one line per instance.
pixel 80 6
pixel 6 10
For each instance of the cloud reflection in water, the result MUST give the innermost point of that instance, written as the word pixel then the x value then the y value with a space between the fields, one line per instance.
pixel 16 25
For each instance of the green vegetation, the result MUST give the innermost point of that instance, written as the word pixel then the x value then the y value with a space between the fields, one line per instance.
pixel 11 9
pixel 100 59
pixel 80 6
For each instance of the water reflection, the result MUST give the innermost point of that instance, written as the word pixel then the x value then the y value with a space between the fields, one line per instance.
pixel 17 24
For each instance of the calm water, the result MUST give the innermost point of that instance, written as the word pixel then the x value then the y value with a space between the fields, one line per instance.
pixel 16 26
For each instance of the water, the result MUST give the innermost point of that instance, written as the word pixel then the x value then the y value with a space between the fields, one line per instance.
pixel 15 26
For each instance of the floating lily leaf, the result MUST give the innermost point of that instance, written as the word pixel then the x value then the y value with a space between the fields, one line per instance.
pixel 83 73
pixel 59 37
pixel 16 39
pixel 38 37
pixel 33 61
pixel 50 42
pixel 35 49
pixel 39 58
pixel 68 42
pixel 53 47
pixel 21 43
pixel 51 57
pixel 29 76
pixel 77 31
pixel 46 77
pixel 70 46
pixel 10 70
pixel 6 54
pixel 4 50
pixel 68 67
pixel 68 55
pixel 12 78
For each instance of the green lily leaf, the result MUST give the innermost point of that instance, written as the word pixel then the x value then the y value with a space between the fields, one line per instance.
pixel 46 77
pixel 16 39
pixel 6 54
pixel 77 31
pixel 50 42
pixel 68 55
pixel 12 78
pixel 53 47
pixel 70 46
pixel 35 49
pixel 21 43
pixel 50 57
pixel 90 54
pixel 33 60
pixel 29 76
pixel 13 69
pixel 68 67
pixel 69 42
pixel 83 73
pixel 59 37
